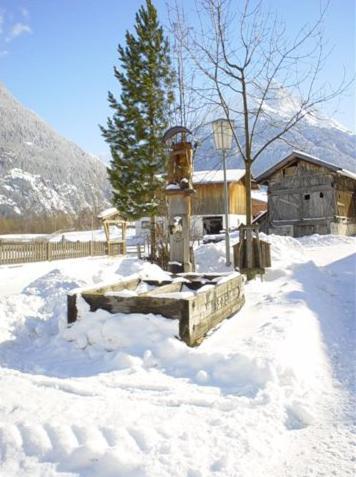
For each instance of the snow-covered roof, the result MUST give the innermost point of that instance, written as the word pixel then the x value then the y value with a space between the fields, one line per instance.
pixel 216 177
pixel 260 195
pixel 307 157
pixel 345 172
pixel 108 213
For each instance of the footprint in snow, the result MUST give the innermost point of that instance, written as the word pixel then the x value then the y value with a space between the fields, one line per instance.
pixel 74 448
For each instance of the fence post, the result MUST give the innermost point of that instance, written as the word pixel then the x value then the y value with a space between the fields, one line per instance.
pixel 91 247
pixel 48 253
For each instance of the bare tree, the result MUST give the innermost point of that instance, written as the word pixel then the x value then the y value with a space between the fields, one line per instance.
pixel 247 60
pixel 191 105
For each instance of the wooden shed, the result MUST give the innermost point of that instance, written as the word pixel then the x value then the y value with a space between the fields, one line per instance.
pixel 111 218
pixel 307 195
pixel 208 200
pixel 208 212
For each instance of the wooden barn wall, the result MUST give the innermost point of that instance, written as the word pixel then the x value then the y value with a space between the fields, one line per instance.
pixel 301 191
pixel 237 198
pixel 258 206
pixel 209 199
pixel 346 197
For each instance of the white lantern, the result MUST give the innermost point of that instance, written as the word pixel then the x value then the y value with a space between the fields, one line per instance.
pixel 222 130
pixel 222 134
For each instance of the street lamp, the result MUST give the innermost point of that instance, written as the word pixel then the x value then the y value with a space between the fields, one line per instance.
pixel 222 130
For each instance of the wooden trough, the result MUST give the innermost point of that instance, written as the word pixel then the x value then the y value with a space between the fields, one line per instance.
pixel 199 301
pixel 251 254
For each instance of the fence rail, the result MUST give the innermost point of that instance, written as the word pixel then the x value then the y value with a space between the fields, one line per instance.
pixel 23 252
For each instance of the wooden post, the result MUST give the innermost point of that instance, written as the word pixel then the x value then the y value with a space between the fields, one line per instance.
pixel 251 255
pixel 123 237
pixel 178 192
pixel 249 248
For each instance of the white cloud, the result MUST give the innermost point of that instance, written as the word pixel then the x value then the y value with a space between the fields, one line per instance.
pixel 12 27
pixel 17 30
pixel 24 12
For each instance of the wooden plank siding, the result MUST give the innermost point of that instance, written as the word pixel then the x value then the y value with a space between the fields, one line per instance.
pixel 209 199
pixel 345 197
pixel 310 198
pixel 24 252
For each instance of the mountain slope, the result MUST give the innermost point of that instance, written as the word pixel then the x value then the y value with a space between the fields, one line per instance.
pixel 40 171
pixel 321 137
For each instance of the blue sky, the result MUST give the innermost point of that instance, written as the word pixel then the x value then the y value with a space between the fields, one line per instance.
pixel 56 56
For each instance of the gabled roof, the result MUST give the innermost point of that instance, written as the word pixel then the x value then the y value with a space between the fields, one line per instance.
pixel 217 177
pixel 109 213
pixel 306 157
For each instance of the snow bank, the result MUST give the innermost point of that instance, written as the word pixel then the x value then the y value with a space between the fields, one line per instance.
pixel 266 394
pixel 149 341
pixel 211 258
pixel 318 241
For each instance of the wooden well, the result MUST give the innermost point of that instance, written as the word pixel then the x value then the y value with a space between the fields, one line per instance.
pixel 212 298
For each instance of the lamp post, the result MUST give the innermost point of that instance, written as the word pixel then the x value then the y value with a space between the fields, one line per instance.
pixel 222 130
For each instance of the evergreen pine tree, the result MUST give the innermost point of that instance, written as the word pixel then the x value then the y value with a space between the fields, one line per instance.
pixel 140 118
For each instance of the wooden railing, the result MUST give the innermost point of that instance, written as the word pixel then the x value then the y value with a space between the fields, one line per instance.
pixel 23 252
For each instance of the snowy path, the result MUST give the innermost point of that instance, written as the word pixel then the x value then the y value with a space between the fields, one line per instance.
pixel 328 284
pixel 268 394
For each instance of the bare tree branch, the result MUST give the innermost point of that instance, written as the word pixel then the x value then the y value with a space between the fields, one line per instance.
pixel 246 60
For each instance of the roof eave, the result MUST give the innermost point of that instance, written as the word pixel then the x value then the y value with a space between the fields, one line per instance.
pixel 295 155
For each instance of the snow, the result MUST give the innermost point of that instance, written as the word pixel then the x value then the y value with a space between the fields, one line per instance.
pixel 217 176
pixel 108 213
pixel 81 236
pixel 269 393
pixel 285 105
pixel 260 195
pixel 40 171
pixel 50 197
pixel 345 172
pixel 5 200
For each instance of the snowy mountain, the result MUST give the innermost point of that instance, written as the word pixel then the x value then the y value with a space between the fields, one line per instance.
pixel 316 135
pixel 40 171
pixel 321 137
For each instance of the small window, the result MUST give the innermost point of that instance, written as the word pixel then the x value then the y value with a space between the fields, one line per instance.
pixel 307 197
pixel 321 195
pixel 145 224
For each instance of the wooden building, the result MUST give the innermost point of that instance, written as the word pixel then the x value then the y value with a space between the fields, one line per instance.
pixel 111 218
pixel 208 201
pixel 307 195
pixel 208 213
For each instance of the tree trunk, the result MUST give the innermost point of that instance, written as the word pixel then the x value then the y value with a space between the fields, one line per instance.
pixel 248 193
pixel 153 238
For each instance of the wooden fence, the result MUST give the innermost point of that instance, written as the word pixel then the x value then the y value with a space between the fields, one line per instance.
pixel 23 252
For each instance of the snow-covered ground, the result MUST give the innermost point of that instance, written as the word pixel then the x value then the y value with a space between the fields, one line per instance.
pixel 267 394
pixel 81 236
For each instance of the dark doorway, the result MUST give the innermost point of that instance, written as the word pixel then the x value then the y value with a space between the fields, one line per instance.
pixel 212 225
